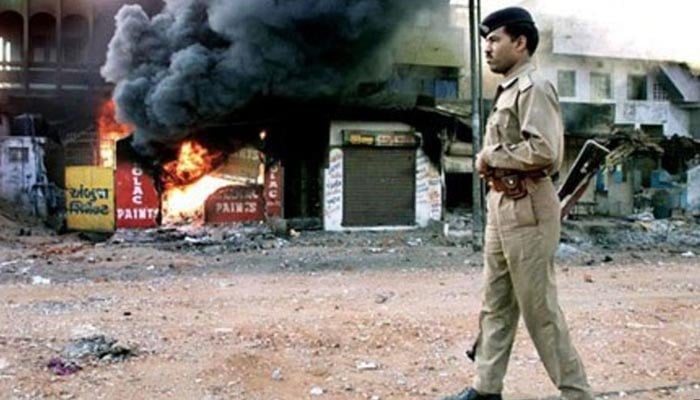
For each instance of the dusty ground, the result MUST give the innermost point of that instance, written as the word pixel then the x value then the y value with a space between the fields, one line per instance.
pixel 360 316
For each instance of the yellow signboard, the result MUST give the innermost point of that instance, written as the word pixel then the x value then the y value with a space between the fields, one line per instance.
pixel 379 138
pixel 90 198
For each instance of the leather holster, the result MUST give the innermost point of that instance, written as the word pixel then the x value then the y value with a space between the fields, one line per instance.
pixel 512 185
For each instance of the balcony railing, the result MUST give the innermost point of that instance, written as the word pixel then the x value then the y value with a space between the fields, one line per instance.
pixel 49 76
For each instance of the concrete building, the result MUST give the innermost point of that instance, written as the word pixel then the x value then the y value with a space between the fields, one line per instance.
pixel 606 88
pixel 657 95
pixel 55 44
pixel 23 178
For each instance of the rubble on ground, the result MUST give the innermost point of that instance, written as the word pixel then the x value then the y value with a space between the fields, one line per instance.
pixel 83 351
pixel 642 232
pixel 234 238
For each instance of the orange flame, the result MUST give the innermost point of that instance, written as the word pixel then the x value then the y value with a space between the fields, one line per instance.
pixel 186 203
pixel 110 130
pixel 193 162
pixel 107 124
pixel 187 185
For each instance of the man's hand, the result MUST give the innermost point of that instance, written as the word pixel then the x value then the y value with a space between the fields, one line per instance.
pixel 481 166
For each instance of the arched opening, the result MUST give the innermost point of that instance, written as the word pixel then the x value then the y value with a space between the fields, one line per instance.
pixel 42 38
pixel 75 33
pixel 11 28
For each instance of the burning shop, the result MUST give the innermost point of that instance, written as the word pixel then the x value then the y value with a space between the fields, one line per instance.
pixel 199 185
pixel 201 180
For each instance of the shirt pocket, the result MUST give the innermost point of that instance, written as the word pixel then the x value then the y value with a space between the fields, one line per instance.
pixel 505 120
pixel 501 119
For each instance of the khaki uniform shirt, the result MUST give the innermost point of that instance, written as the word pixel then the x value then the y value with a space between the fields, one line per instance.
pixel 524 131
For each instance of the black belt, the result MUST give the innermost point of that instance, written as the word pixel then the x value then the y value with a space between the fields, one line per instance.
pixel 512 182
pixel 498 173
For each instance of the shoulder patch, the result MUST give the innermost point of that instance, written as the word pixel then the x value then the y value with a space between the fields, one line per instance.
pixel 524 82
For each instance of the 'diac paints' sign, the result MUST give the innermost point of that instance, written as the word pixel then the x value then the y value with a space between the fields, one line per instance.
pixel 274 191
pixel 248 203
pixel 235 204
pixel 136 198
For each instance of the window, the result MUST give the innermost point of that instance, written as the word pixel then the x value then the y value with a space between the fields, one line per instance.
pixel 658 92
pixel 42 38
pixel 18 154
pixel 11 34
pixel 74 33
pixel 5 50
pixel 566 83
pixel 600 86
pixel 637 87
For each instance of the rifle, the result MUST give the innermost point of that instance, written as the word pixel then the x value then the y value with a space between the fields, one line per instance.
pixel 587 164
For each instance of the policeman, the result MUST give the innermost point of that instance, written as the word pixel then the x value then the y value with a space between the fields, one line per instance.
pixel 523 147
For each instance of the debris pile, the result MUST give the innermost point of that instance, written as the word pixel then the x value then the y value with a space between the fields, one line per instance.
pixel 234 238
pixel 88 350
pixel 458 226
pixel 628 144
pixel 638 232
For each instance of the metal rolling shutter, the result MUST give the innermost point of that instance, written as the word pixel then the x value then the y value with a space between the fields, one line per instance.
pixel 378 186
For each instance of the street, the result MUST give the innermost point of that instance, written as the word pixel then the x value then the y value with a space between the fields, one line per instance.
pixel 361 316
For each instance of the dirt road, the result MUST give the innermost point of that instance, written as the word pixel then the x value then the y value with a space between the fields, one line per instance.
pixel 379 317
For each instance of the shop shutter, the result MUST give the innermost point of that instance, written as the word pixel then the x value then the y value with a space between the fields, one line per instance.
pixel 378 187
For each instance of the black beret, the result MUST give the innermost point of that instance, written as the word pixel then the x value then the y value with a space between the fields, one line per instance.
pixel 503 17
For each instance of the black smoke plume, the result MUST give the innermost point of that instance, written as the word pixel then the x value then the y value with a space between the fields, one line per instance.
pixel 200 60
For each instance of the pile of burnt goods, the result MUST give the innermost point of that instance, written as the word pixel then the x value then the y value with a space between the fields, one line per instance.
pixel 239 237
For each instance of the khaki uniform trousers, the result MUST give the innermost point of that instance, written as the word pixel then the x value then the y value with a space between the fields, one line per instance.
pixel 521 239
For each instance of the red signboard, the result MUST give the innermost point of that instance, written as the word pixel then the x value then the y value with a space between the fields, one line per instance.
pixel 136 197
pixel 235 204
pixel 274 191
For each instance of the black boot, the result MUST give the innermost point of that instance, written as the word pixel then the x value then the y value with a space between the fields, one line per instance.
pixel 471 394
